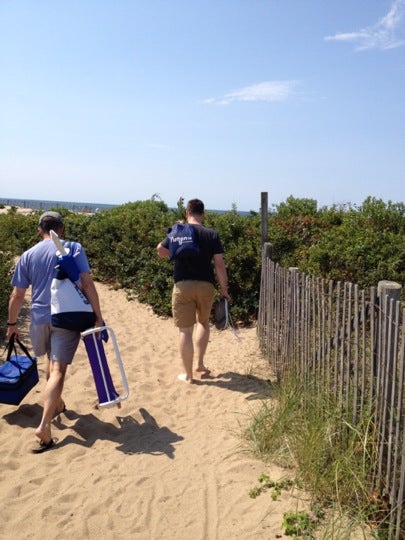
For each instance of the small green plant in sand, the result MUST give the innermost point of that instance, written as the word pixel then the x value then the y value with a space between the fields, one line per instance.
pixel 299 523
pixel 276 487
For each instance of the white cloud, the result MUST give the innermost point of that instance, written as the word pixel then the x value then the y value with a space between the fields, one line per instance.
pixel 387 33
pixel 264 91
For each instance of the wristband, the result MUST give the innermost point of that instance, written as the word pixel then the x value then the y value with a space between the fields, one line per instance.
pixel 11 323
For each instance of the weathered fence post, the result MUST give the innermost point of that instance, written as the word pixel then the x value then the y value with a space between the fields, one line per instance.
pixel 267 250
pixel 389 288
pixel 292 322
pixel 389 296
pixel 264 299
pixel 388 292
pixel 264 207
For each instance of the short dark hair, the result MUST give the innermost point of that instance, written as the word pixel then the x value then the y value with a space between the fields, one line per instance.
pixel 51 221
pixel 195 206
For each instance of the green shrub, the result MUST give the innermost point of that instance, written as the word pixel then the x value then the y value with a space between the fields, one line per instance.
pixel 17 232
pixel 359 245
pixel 6 266
pixel 363 245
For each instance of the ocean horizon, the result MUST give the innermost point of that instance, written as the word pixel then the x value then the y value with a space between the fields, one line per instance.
pixel 39 204
pixel 74 206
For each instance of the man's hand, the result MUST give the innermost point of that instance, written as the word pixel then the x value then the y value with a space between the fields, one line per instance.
pixel 12 330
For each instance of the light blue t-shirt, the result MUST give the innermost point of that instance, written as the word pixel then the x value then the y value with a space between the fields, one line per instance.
pixel 37 268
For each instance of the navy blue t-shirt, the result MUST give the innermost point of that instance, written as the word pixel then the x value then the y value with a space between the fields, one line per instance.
pixel 198 267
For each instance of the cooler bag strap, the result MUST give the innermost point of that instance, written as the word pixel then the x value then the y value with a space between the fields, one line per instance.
pixel 12 348
pixel 25 350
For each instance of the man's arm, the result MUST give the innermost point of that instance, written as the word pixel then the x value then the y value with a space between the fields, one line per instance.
pixel 14 306
pixel 221 274
pixel 162 251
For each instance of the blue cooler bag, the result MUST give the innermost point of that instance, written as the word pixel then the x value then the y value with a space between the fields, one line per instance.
pixel 18 374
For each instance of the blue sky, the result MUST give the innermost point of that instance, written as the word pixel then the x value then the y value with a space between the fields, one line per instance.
pixel 112 101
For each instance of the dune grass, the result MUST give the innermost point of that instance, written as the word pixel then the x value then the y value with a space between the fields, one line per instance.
pixel 307 431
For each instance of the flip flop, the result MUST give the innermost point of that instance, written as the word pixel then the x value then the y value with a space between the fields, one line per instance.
pixel 60 411
pixel 221 313
pixel 204 371
pixel 43 447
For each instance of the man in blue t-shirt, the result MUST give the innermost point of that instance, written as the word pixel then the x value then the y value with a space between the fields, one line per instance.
pixel 37 268
pixel 194 289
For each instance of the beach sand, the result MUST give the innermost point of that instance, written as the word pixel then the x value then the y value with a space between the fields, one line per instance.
pixel 168 464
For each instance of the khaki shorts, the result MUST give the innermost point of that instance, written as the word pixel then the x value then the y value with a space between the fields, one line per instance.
pixel 60 344
pixel 191 302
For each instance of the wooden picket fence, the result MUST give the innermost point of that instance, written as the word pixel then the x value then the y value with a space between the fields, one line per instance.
pixel 351 343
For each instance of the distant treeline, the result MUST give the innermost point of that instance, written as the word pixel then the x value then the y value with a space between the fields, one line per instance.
pixel 362 245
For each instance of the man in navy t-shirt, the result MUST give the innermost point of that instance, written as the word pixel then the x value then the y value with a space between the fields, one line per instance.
pixel 194 289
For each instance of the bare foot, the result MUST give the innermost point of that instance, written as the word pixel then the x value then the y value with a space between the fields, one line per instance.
pixel 44 435
pixel 183 377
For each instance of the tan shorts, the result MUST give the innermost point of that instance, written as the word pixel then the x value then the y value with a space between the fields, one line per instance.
pixel 191 302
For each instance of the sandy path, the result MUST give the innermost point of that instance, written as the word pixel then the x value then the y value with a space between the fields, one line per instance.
pixel 167 465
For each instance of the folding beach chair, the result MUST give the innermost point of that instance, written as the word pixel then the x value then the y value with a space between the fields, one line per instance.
pixel 107 394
